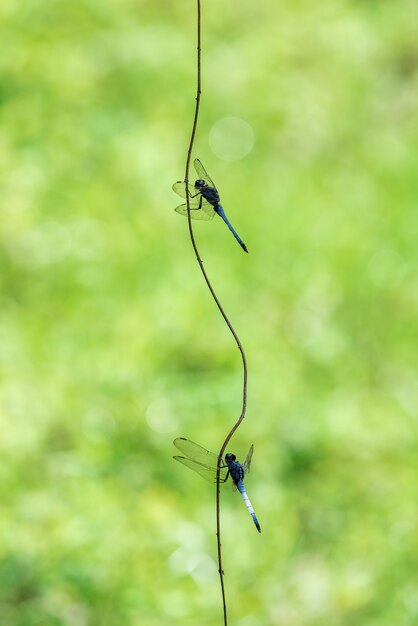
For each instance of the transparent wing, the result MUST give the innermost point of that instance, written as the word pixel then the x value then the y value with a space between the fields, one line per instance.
pixel 247 463
pixel 202 173
pixel 180 188
pixel 195 452
pixel 208 473
pixel 199 459
pixel 206 212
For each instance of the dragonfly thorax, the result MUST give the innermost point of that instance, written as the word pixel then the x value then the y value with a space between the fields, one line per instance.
pixel 236 470
pixel 209 193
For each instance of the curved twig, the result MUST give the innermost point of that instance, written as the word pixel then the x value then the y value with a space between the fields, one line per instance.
pixel 221 310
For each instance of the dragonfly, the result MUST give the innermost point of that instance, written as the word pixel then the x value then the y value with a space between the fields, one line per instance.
pixel 205 463
pixel 205 202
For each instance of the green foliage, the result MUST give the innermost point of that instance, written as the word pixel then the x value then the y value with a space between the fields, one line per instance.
pixel 110 346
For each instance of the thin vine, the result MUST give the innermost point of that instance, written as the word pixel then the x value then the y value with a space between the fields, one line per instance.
pixel 219 305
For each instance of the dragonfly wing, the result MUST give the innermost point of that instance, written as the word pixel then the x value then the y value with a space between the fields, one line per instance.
pixel 199 456
pixel 180 188
pixel 195 452
pixel 202 173
pixel 247 463
pixel 196 212
pixel 207 472
pixel 208 209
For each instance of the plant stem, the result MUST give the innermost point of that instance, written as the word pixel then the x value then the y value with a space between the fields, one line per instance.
pixel 219 305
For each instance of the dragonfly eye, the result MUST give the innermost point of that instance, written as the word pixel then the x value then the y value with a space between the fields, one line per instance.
pixel 230 457
pixel 199 183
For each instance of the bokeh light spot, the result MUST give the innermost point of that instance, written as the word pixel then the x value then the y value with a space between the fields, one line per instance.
pixel 231 138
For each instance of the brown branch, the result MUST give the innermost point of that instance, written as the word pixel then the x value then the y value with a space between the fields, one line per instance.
pixel 221 310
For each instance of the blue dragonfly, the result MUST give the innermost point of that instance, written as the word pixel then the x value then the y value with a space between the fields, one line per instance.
pixel 205 202
pixel 205 463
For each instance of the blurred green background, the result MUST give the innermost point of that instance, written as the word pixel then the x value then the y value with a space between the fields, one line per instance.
pixel 110 345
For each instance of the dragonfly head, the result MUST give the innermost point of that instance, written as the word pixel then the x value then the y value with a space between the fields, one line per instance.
pixel 199 184
pixel 229 458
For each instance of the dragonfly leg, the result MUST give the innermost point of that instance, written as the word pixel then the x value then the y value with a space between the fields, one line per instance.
pixel 193 195
pixel 227 474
